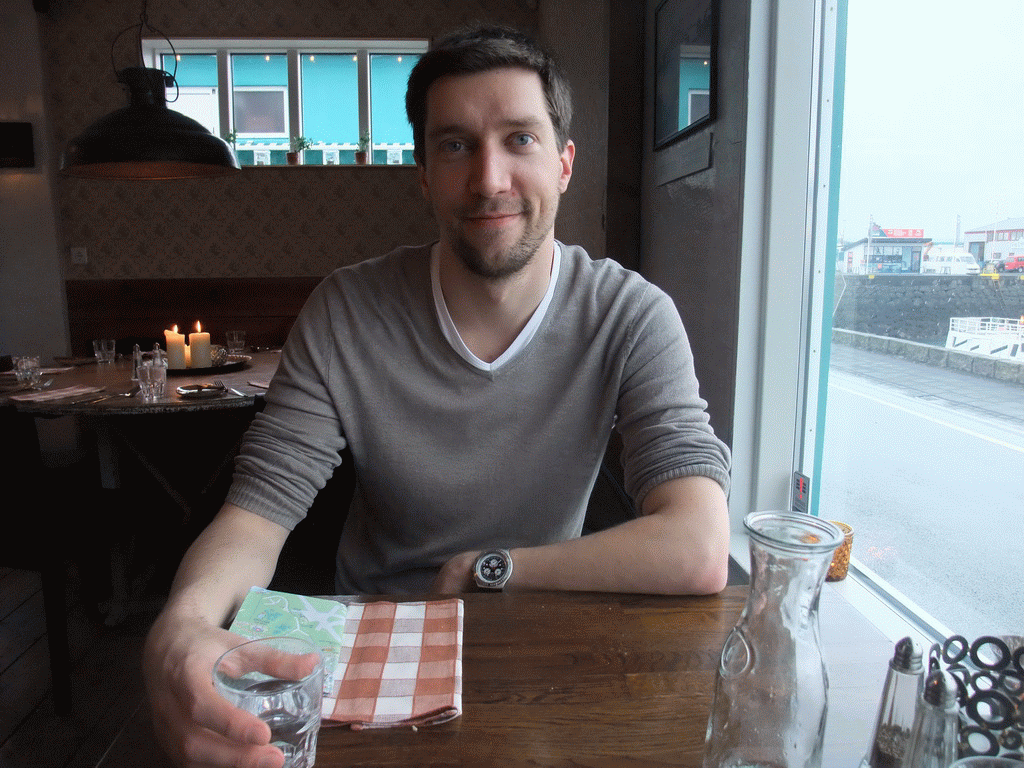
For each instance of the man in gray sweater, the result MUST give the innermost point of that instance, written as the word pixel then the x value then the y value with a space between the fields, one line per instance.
pixel 476 382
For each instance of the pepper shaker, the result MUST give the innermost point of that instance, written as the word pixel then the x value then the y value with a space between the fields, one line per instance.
pixel 903 685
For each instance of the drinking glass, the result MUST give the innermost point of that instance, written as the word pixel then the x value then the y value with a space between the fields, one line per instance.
pixel 26 369
pixel 981 761
pixel 263 678
pixel 104 350
pixel 152 373
pixel 235 342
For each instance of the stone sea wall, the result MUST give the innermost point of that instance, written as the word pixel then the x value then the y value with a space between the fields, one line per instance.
pixel 918 307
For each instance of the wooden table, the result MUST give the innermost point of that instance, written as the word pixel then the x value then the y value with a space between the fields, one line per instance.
pixel 583 679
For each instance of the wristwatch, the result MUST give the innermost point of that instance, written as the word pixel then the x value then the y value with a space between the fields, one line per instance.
pixel 493 569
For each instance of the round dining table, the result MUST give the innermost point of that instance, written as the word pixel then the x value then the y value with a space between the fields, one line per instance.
pixel 103 388
pixel 163 465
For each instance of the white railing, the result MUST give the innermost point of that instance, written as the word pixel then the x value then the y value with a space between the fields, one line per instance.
pixel 283 144
pixel 394 150
pixel 987 326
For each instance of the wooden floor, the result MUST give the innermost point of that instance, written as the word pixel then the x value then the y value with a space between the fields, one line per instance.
pixel 106 678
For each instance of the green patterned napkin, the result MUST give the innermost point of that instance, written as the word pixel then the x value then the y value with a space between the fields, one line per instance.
pixel 265 613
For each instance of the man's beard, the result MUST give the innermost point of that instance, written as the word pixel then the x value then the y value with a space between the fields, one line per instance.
pixel 506 263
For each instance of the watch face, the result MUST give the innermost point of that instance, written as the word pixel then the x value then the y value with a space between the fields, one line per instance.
pixel 493 567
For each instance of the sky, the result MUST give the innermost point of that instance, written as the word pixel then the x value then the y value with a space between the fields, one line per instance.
pixel 933 120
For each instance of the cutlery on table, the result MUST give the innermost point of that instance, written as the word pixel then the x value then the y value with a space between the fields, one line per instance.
pixel 130 393
pixel 80 398
pixel 226 388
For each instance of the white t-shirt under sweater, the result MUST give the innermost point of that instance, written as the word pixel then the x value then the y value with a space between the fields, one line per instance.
pixel 452 455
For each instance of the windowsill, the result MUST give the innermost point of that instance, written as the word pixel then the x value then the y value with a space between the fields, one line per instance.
pixel 339 165
pixel 890 612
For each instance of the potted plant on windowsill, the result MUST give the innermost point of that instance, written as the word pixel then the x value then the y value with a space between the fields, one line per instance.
pixel 298 143
pixel 232 139
pixel 363 152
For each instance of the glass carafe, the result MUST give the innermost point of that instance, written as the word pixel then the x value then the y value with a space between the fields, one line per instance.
pixel 770 698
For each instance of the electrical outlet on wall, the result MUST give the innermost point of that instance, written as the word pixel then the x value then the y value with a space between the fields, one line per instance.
pixel 79 256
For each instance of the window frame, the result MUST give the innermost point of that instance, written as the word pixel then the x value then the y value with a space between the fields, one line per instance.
pixel 153 49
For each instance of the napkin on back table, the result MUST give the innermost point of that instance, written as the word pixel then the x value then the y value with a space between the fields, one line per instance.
pixel 387 664
pixel 78 390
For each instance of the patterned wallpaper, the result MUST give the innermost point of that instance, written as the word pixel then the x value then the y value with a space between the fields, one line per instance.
pixel 269 221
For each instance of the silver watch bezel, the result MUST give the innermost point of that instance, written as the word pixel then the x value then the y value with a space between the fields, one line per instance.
pixel 485 583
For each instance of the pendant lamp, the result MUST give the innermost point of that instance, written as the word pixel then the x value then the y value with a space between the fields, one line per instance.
pixel 146 140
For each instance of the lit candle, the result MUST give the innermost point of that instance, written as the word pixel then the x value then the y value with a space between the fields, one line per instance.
pixel 199 348
pixel 175 343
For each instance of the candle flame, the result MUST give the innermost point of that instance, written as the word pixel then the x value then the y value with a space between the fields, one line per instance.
pixel 174 328
pixel 199 327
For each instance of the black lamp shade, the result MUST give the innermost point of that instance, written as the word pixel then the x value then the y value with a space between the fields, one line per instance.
pixel 146 140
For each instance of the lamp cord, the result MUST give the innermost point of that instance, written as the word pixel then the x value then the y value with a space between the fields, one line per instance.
pixel 144 24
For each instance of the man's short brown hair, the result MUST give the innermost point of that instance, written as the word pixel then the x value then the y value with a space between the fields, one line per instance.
pixel 481 49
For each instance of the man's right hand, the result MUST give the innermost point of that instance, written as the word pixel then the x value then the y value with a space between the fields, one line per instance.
pixel 194 724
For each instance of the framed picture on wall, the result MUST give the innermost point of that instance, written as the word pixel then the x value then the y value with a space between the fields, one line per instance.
pixel 16 147
pixel 684 68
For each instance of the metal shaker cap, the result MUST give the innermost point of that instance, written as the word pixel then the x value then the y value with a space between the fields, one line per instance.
pixel 907 657
pixel 940 690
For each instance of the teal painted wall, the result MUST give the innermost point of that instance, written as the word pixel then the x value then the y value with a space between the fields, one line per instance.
pixel 330 99
pixel 389 75
pixel 694 75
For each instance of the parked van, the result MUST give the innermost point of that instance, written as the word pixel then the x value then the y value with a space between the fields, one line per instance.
pixel 939 260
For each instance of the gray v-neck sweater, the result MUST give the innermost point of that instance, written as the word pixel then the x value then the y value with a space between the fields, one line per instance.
pixel 450 458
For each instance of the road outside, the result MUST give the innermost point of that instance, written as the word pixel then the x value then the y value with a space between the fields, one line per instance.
pixel 928 466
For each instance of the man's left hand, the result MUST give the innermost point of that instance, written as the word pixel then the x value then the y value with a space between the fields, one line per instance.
pixel 456 575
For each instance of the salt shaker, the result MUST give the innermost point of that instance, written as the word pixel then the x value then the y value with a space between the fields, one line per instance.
pixel 933 739
pixel 902 689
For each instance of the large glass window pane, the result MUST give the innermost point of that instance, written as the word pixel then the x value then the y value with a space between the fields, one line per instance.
pixel 196 94
pixel 330 98
pixel 334 105
pixel 260 98
pixel 926 461
pixel 389 74
pixel 192 69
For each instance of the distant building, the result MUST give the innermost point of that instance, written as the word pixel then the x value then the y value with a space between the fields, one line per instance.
pixel 885 251
pixel 995 242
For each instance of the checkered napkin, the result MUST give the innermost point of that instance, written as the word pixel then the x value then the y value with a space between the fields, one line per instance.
pixel 400 665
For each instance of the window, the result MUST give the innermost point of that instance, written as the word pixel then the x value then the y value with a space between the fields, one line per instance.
pixel 259 97
pixel 922 470
pixel 694 89
pixel 930 482
pixel 262 93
